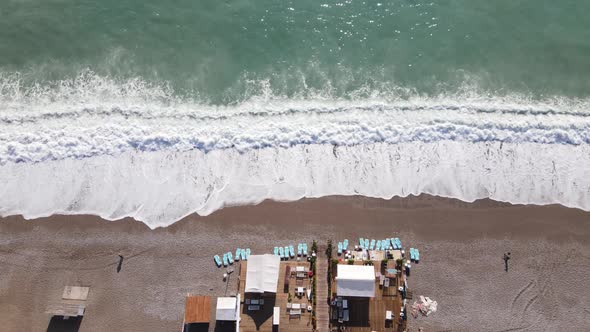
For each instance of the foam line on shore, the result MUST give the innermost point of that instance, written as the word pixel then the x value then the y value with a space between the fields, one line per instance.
pixel 159 188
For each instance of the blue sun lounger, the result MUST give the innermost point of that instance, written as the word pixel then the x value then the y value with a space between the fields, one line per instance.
pixel 305 249
pixel 378 247
pixel 247 253
pixel 217 260
pixel 345 245
pixel 416 255
pixel 393 243
pixel 412 254
pixel 281 252
pixel 399 242
pixel 276 251
pixel 362 243
pixel 372 245
pixel 243 254
pixel 225 259
pixel 386 244
pixel 237 258
pixel 287 252
pixel 339 248
pixel 367 244
pixel 292 250
pixel 230 257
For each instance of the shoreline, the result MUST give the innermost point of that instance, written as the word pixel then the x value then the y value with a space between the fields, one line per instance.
pixel 461 244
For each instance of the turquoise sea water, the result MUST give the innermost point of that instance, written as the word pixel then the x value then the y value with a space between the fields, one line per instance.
pixel 223 52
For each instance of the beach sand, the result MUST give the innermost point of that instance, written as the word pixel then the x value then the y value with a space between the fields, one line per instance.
pixel 547 287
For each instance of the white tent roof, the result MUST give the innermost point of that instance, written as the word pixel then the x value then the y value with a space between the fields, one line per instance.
pixel 227 308
pixel 262 274
pixel 355 280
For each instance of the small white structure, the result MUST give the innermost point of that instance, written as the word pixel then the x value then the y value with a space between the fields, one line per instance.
pixel 355 280
pixel 262 274
pixel 276 315
pixel 227 309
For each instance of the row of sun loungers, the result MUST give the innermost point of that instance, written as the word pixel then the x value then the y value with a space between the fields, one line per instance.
pixel 289 251
pixel 387 244
pixel 342 246
pixel 228 258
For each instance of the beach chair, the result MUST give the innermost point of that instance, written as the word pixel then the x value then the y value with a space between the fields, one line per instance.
pixel 305 249
pixel 286 252
pixel 372 245
pixel 362 243
pixel 238 254
pixel 230 257
pixel 276 251
pixel 281 252
pixel 225 259
pixel 292 251
pixel 217 260
pixel 339 248
pixel 247 253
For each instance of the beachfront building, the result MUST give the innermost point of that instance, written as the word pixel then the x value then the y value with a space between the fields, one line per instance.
pixel 276 294
pixel 227 309
pixel 365 295
pixel 67 313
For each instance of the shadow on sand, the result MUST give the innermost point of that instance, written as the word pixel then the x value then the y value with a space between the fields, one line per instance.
pixel 59 324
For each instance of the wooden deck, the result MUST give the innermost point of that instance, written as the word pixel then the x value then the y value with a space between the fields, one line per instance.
pixel 368 314
pixel 322 306
pixel 197 309
pixel 261 320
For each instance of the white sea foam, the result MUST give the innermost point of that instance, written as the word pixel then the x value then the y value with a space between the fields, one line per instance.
pixel 93 145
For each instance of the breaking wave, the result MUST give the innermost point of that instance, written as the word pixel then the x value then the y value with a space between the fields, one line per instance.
pixel 95 145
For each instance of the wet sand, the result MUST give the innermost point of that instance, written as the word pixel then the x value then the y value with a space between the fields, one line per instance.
pixel 547 287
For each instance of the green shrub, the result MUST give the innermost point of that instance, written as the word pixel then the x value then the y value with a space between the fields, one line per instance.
pixel 329 249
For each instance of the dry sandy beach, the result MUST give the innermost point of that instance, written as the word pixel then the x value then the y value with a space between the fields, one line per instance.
pixel 547 287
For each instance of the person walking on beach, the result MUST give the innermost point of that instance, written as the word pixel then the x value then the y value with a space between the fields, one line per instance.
pixel 120 263
pixel 506 258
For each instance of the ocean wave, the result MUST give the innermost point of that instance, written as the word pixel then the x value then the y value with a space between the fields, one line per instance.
pixel 91 116
pixel 159 188
pixel 116 149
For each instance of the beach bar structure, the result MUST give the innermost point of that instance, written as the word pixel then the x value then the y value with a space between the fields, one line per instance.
pixel 197 313
pixel 355 281
pixel 67 314
pixel 227 309
pixel 365 297
pixel 262 275
pixel 267 303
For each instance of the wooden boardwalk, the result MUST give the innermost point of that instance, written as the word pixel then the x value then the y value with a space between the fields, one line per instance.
pixel 322 306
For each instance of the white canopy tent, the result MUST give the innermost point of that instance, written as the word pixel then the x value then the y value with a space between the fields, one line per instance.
pixel 227 309
pixel 355 280
pixel 262 274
